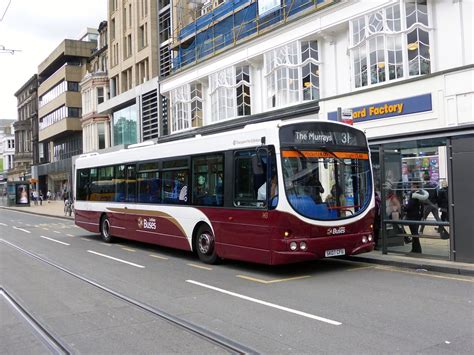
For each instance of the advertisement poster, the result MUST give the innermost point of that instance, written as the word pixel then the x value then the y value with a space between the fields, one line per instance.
pixel 22 194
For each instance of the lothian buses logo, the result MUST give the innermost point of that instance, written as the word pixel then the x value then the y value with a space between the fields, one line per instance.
pixel 147 223
pixel 336 231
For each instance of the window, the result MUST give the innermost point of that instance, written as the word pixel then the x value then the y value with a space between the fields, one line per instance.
pixel 222 94
pixel 249 177
pixel 242 79
pixel 196 104
pixel 389 43
pixel 180 107
pixel 149 187
pixel 292 74
pixel 82 193
pixel 175 186
pixel 101 133
pixel 208 180
pixel 100 95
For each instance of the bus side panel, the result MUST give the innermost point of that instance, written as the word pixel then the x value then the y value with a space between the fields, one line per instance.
pixel 148 228
pixel 87 220
pixel 242 234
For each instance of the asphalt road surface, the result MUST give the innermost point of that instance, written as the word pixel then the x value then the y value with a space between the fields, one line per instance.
pixel 61 283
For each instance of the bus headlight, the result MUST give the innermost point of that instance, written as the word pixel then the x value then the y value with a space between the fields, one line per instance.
pixel 293 246
pixel 364 239
pixel 370 237
pixel 303 246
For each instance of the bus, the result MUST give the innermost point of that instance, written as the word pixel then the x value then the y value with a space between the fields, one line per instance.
pixel 273 193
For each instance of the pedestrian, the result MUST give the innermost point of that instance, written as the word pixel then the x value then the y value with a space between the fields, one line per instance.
pixel 48 195
pixel 430 205
pixel 41 198
pixel 414 212
pixel 35 197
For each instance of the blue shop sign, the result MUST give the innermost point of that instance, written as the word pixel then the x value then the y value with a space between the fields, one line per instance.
pixel 386 109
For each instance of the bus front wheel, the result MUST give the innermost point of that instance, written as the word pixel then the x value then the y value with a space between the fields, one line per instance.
pixel 206 245
pixel 105 229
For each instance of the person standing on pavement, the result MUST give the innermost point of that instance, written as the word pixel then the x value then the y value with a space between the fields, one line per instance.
pixel 48 195
pixel 430 205
pixel 41 198
pixel 35 197
pixel 414 212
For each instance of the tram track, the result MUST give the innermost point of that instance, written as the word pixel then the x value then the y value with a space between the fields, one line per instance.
pixel 222 342
pixel 51 341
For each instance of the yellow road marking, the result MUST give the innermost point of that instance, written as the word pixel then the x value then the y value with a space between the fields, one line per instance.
pixel 271 281
pixel 200 267
pixel 128 249
pixel 423 274
pixel 158 257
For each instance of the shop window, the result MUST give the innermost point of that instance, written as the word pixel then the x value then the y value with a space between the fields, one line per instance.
pixel 413 186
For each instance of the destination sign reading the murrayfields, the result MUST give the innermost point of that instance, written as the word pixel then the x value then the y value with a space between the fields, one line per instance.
pixel 321 134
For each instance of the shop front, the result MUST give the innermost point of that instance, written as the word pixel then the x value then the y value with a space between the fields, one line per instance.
pixel 422 151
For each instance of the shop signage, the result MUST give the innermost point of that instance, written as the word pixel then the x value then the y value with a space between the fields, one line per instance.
pixel 400 107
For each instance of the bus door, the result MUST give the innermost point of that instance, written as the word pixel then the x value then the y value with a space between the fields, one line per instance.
pixel 246 226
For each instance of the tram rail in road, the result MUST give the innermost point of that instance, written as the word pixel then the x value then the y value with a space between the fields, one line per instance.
pixel 52 342
pixel 226 344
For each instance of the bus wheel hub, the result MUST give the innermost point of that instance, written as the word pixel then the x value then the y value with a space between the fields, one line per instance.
pixel 205 243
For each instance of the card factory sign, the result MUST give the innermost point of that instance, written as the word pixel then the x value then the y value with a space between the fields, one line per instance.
pixel 387 109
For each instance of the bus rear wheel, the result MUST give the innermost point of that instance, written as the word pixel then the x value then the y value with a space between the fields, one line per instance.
pixel 206 245
pixel 105 229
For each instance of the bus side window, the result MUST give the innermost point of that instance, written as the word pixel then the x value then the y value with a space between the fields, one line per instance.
pixel 208 180
pixel 83 185
pixel 175 186
pixel 120 184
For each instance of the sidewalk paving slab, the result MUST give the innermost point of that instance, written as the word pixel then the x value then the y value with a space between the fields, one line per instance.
pixel 56 209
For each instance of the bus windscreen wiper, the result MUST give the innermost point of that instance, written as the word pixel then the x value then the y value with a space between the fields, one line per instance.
pixel 334 155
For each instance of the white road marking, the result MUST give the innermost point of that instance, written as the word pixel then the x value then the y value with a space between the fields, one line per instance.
pixel 69 235
pixel 57 232
pixel 268 304
pixel 120 260
pixel 3 224
pixel 21 229
pixel 54 240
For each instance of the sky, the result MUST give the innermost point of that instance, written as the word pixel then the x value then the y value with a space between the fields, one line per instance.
pixel 35 28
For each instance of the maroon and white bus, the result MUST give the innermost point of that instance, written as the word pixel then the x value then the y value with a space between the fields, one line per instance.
pixel 273 193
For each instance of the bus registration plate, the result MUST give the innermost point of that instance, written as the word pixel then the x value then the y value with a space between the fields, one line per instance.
pixel 335 252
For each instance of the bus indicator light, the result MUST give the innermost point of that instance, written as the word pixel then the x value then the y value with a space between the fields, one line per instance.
pixel 286 234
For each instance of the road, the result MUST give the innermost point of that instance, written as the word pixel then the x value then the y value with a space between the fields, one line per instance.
pixel 332 305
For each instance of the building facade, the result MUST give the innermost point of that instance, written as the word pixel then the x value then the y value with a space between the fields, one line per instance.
pixel 7 152
pixel 132 71
pixel 95 90
pixel 60 111
pixel 26 129
pixel 383 61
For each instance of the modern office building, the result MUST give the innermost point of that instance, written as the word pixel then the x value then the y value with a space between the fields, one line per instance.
pixel 60 111
pixel 132 71
pixel 95 90
pixel 26 129
pixel 404 69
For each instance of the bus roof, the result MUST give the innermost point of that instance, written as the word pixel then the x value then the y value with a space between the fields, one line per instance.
pixel 249 136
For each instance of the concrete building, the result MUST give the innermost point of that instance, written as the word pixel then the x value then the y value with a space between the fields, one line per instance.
pixel 60 111
pixel 403 69
pixel 133 71
pixel 26 129
pixel 95 90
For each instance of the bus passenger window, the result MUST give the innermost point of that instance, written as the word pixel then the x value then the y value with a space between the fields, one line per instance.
pixel 149 189
pixel 175 186
pixel 208 180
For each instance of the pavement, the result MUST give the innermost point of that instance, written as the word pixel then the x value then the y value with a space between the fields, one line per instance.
pixel 418 262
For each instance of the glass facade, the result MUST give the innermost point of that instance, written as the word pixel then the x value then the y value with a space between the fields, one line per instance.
pixel 411 180
pixel 126 125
